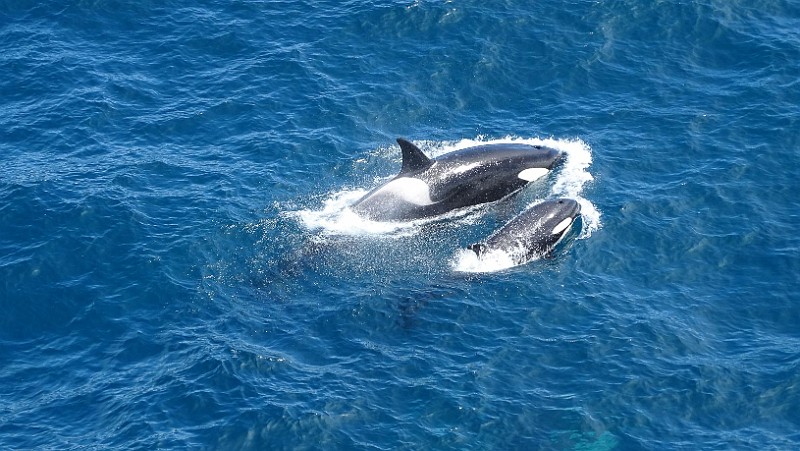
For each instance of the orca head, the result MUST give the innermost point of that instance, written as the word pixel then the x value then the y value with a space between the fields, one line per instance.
pixel 558 216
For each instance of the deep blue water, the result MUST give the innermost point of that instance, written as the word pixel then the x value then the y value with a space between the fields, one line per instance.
pixel 176 270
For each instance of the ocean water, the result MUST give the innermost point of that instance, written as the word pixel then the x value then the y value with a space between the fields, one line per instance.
pixel 178 268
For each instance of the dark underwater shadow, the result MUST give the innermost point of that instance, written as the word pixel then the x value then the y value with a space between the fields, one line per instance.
pixel 278 260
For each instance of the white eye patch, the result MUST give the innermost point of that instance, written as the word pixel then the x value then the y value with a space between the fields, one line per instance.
pixel 532 174
pixel 561 226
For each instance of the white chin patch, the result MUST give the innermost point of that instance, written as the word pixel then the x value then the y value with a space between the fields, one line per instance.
pixel 562 226
pixel 411 190
pixel 532 174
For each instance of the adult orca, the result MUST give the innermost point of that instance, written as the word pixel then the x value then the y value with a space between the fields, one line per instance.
pixel 428 187
pixel 535 231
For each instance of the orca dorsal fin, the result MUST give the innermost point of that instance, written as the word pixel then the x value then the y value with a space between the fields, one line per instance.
pixel 413 158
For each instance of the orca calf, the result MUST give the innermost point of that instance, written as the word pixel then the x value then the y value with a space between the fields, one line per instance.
pixel 428 187
pixel 534 232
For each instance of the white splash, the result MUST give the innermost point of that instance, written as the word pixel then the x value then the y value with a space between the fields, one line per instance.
pixel 336 218
pixel 465 260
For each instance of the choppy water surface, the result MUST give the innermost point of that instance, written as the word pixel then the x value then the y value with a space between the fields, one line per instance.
pixel 179 268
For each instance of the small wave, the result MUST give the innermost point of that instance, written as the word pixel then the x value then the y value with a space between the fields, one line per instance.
pixel 590 218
